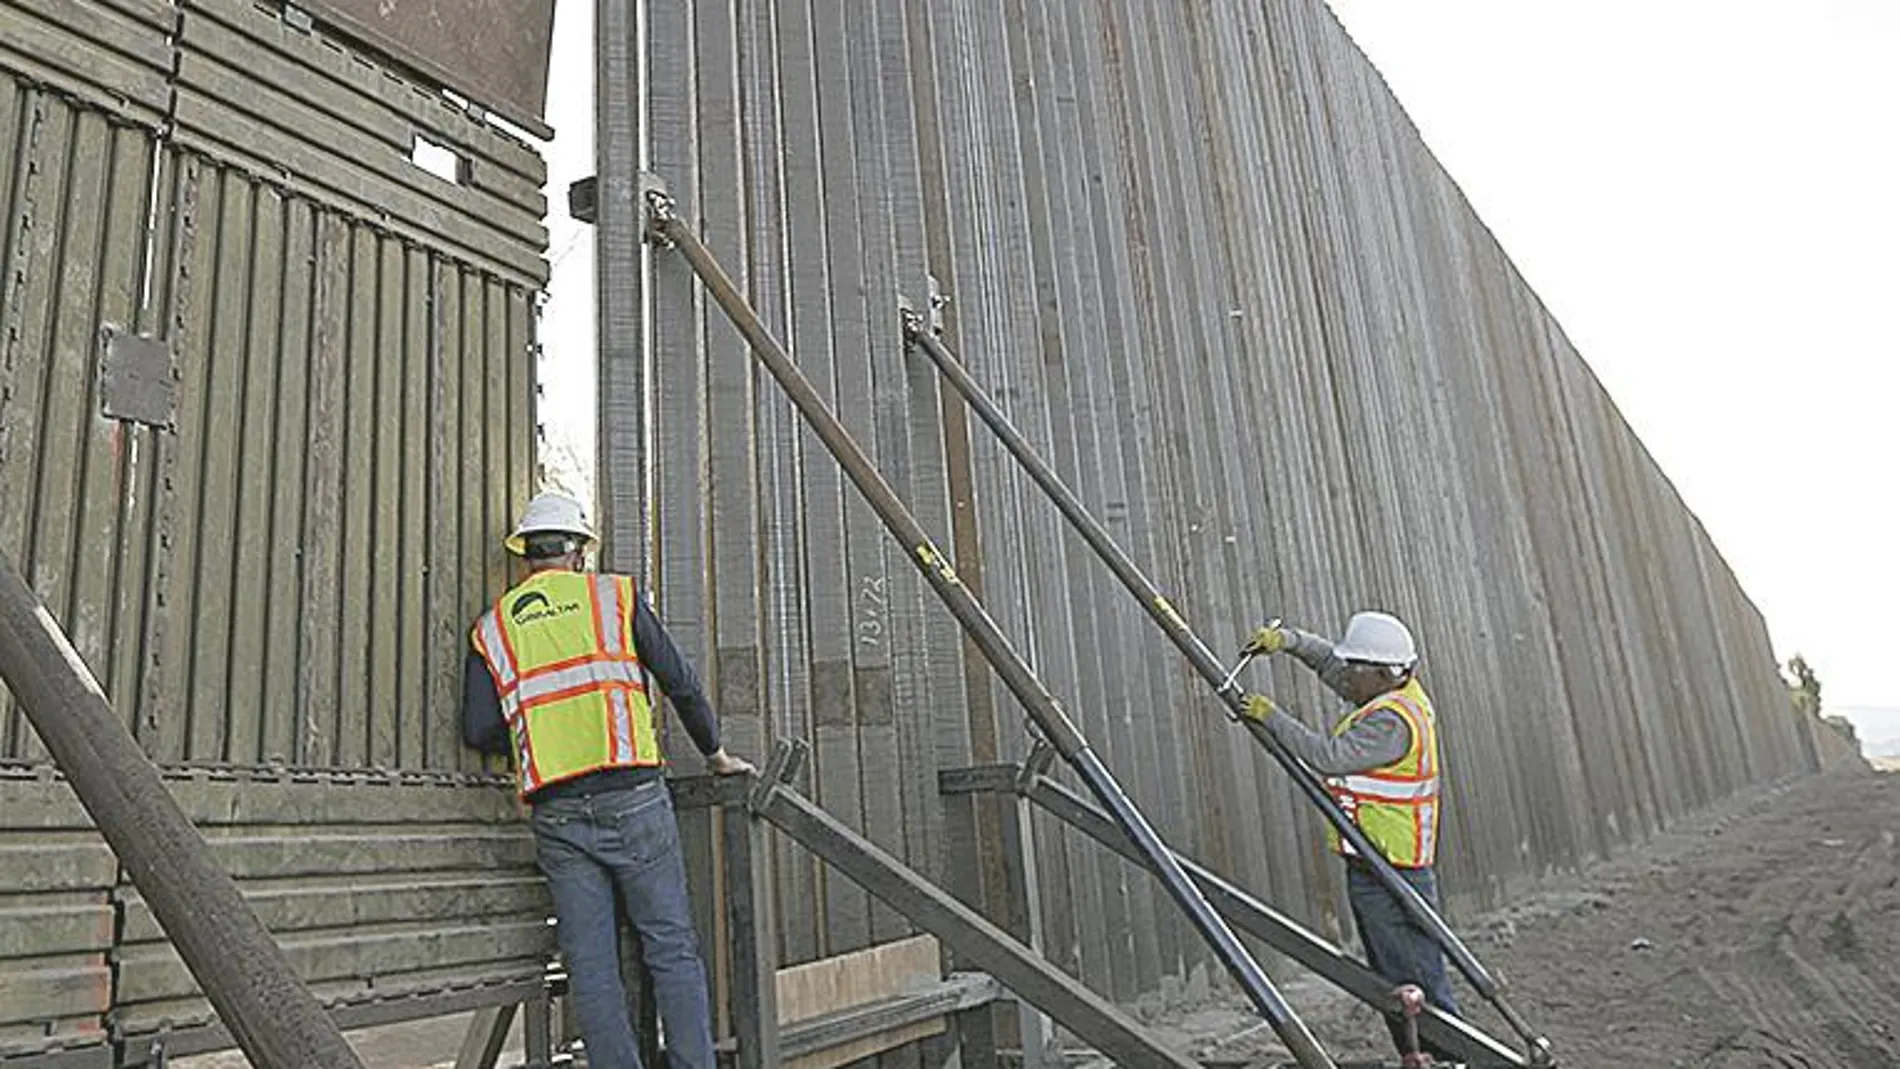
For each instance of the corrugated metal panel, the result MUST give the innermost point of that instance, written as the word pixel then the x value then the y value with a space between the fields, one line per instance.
pixel 303 112
pixel 374 888
pixel 56 929
pixel 114 55
pixel 300 524
pixel 1203 259
pixel 76 485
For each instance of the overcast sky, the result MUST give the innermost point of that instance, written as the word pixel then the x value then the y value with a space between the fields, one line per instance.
pixel 1704 194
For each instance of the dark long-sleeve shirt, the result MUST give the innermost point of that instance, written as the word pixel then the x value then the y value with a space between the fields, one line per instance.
pixel 1376 741
pixel 485 729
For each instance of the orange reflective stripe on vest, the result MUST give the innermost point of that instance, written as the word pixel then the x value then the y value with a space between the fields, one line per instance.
pixel 1396 805
pixel 560 647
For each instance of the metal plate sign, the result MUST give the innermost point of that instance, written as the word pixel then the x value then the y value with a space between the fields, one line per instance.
pixel 494 52
pixel 137 381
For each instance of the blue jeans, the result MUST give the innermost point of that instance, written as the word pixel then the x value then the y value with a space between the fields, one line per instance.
pixel 625 839
pixel 1396 948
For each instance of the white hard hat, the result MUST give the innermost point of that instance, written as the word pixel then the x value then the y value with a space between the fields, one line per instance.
pixel 1377 638
pixel 549 513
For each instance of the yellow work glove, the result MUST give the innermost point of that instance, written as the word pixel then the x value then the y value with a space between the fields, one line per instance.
pixel 1265 640
pixel 1260 707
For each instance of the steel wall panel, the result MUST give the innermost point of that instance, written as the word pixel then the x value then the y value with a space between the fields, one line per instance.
pixel 282 575
pixel 1204 262
pixel 375 886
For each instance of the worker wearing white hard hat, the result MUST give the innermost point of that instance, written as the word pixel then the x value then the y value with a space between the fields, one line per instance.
pixel 1381 761
pixel 558 681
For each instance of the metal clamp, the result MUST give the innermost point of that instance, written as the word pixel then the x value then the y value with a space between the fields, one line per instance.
pixel 914 322
pixel 662 209
pixel 788 760
pixel 1042 757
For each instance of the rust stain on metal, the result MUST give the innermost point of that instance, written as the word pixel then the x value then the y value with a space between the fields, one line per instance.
pixel 494 52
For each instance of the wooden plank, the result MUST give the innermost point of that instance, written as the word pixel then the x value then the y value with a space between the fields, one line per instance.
pixel 844 588
pixel 37 866
pixel 844 980
pixel 65 363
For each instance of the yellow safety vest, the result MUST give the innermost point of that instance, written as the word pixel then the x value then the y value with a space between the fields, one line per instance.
pixel 560 647
pixel 1396 805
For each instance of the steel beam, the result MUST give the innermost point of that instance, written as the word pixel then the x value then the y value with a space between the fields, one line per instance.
pixel 973 938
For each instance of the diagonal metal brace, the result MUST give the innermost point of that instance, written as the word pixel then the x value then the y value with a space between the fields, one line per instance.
pixel 781 773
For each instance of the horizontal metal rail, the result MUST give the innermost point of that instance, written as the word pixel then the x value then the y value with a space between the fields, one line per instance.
pixel 918 331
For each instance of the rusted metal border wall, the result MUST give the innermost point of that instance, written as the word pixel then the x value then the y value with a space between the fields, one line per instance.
pixel 1204 260
pixel 271 574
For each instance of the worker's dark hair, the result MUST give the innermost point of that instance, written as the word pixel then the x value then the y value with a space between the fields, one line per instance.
pixel 548 545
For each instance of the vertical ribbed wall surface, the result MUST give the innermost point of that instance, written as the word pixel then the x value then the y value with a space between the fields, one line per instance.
pixel 1204 261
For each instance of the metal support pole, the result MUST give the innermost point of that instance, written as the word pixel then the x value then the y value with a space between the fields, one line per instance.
pixel 537 1032
pixel 1097 1021
pixel 273 1017
pixel 487 1034
pixel 1256 918
pixel 918 330
pixel 1016 674
pixel 753 940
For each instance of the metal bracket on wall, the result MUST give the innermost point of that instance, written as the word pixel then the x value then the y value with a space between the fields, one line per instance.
pixel 782 771
pixel 658 198
pixel 138 378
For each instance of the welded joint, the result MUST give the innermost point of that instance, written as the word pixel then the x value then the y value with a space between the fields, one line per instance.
pixel 1042 757
pixel 921 321
pixel 788 760
pixel 662 211
pixel 915 324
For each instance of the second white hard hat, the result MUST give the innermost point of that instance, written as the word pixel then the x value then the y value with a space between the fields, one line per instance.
pixel 1377 638
pixel 549 513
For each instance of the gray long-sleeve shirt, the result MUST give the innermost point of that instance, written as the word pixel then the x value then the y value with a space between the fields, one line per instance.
pixel 1376 741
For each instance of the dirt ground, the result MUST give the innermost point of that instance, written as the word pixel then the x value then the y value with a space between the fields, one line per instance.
pixel 1766 933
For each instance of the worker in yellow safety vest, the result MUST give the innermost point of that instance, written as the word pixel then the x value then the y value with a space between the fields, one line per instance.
pixel 1381 764
pixel 558 679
